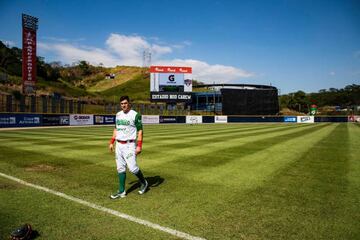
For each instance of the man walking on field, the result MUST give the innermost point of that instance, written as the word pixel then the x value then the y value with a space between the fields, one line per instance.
pixel 128 135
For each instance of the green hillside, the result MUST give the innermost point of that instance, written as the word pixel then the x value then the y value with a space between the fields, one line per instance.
pixel 137 88
pixel 78 80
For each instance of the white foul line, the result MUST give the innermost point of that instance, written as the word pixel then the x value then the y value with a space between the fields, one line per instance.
pixel 107 210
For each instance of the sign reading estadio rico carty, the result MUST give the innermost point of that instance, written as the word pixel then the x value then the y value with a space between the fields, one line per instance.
pixel 29 25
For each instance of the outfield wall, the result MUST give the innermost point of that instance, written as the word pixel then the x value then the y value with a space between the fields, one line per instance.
pixel 8 120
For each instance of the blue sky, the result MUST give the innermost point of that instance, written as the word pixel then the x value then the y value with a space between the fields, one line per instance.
pixel 291 44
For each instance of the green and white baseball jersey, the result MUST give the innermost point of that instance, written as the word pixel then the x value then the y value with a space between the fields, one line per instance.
pixel 127 125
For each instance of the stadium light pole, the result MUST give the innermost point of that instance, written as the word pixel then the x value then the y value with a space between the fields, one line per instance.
pixel 214 99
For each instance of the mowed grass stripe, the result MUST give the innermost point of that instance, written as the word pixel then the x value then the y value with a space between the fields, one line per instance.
pixel 187 129
pixel 221 136
pixel 242 161
pixel 202 153
pixel 310 199
pixel 214 137
pixel 252 165
pixel 59 147
pixel 217 135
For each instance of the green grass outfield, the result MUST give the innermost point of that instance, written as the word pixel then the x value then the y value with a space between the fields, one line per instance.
pixel 216 181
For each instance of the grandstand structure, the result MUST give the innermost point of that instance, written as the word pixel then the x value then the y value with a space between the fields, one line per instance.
pixel 236 99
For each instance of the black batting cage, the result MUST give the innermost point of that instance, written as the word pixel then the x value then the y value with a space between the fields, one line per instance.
pixel 237 99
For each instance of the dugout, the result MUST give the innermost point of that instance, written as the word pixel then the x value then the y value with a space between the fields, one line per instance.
pixel 236 99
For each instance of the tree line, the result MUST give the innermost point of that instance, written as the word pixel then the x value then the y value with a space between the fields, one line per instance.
pixel 346 97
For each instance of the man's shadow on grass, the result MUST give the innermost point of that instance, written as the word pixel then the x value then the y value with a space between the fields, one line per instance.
pixel 152 181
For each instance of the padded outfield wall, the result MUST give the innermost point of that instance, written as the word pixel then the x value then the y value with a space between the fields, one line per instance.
pixel 9 120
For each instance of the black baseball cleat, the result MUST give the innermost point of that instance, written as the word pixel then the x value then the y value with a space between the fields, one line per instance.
pixel 118 195
pixel 143 187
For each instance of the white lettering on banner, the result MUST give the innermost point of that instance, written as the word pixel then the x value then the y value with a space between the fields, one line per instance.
pixel 8 120
pixel 220 119
pixel 30 120
pixel 184 96
pixel 109 120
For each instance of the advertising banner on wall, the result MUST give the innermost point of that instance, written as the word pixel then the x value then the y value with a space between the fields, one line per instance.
pixel 220 119
pixel 305 119
pixel 81 119
pixel 150 119
pixel 172 119
pixel 193 119
pixel 291 119
pixel 353 118
pixel 55 120
pixel 20 120
pixel 104 119
pixel 29 25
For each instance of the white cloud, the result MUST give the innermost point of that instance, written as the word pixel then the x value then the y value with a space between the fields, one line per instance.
pixel 68 53
pixel 207 73
pixel 332 73
pixel 57 39
pixel 128 50
pixel 8 43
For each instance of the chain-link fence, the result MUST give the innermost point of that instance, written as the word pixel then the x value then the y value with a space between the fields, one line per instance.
pixel 40 104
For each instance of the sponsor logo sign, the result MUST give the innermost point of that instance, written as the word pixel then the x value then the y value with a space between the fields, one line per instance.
pixel 171 79
pixel 7 120
pixel 81 119
pixel 64 120
pixel 167 119
pixel 55 120
pixel 104 119
pixel 305 119
pixel 150 119
pixel 99 119
pixel 20 120
pixel 193 119
pixel 290 119
pixel 109 119
pixel 354 118
pixel 220 119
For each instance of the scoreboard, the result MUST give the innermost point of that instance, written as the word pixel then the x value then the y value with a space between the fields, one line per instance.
pixel 170 84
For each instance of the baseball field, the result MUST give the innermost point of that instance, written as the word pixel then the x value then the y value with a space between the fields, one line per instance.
pixel 211 181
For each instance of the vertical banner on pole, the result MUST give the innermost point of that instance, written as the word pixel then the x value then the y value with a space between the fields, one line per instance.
pixel 29 26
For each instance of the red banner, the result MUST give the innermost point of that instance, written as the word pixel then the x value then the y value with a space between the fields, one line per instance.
pixel 29 60
pixel 168 69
